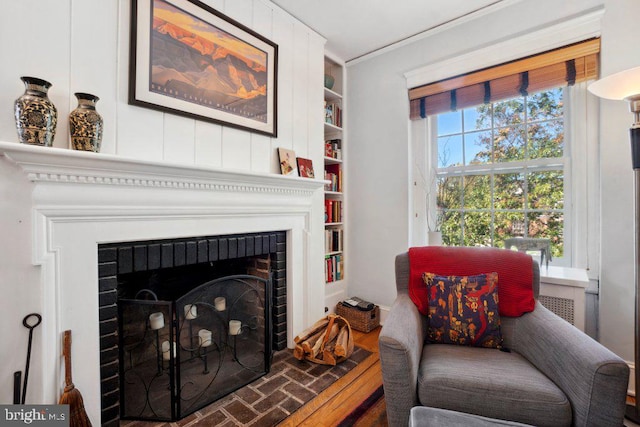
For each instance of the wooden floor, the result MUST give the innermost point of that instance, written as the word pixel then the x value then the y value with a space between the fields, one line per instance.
pixel 341 398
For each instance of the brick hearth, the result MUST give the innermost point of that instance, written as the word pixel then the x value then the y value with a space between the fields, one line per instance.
pixel 270 399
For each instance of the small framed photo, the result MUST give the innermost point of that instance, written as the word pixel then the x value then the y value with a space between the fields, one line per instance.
pixel 305 168
pixel 287 161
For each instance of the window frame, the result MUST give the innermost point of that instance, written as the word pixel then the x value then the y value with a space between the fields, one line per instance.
pixel 563 164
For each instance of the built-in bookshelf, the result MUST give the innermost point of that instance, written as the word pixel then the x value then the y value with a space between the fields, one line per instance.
pixel 334 202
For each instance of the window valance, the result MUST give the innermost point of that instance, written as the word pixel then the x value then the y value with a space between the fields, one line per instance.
pixel 566 65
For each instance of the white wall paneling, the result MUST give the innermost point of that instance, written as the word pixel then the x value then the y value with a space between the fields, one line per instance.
pixel 240 10
pixel 260 144
pixel 236 148
pixel 283 36
pixel 36 42
pixel 208 145
pixel 315 103
pixel 300 84
pixel 179 139
pixel 139 131
pixel 92 67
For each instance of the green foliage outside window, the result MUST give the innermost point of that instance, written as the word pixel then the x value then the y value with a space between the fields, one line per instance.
pixel 519 195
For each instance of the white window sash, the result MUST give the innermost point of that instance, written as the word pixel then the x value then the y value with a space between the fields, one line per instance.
pixel 534 165
pixel 583 194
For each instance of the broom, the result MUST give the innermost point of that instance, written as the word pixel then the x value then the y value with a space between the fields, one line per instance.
pixel 71 396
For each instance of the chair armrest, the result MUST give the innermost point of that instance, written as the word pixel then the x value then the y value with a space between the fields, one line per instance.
pixel 400 343
pixel 593 378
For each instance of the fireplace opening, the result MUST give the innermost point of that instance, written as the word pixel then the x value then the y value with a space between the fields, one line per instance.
pixel 179 355
pixel 146 284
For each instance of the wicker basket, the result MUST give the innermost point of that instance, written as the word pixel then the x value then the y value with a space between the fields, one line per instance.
pixel 363 321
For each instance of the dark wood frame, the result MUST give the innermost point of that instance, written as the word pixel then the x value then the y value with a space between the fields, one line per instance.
pixel 140 79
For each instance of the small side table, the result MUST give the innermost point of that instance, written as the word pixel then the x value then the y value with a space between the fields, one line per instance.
pixel 523 244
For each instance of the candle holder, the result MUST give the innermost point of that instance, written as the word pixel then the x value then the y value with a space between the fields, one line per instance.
pixel 204 337
pixel 156 322
pixel 191 313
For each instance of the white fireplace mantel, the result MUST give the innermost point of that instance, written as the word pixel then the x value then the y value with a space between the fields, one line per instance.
pixel 82 199
pixel 43 164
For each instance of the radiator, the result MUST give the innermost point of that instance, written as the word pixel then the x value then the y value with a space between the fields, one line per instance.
pixel 563 307
pixel 562 292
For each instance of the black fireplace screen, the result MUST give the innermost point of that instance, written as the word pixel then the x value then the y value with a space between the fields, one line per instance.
pixel 178 356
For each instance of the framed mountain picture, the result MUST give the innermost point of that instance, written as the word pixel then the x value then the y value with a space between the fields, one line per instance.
pixel 189 59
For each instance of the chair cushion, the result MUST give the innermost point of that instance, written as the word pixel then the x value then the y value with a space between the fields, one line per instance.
pixel 424 416
pixel 490 383
pixel 463 310
pixel 515 270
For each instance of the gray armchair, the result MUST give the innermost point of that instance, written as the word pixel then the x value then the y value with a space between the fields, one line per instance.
pixel 554 375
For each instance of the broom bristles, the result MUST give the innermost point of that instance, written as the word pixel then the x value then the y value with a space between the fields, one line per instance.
pixel 77 415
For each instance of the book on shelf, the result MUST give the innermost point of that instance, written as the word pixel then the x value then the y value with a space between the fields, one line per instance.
pixel 333 149
pixel 333 113
pixel 334 270
pixel 332 211
pixel 333 173
pixel 333 240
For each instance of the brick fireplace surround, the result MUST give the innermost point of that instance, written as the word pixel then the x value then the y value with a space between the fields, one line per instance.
pixel 80 200
pixel 118 259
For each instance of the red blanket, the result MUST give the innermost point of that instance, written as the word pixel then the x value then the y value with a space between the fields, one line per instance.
pixel 515 274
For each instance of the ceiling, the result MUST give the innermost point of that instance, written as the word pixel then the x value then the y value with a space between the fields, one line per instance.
pixel 354 28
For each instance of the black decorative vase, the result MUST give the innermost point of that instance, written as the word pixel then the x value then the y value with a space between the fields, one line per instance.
pixel 36 116
pixel 85 124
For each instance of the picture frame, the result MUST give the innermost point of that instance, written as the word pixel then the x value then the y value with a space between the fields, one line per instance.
pixel 288 165
pixel 189 59
pixel 305 167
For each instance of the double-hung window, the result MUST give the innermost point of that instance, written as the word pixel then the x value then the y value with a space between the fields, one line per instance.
pixel 500 171
pixel 502 148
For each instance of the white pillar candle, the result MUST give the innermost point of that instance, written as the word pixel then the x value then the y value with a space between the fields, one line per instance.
pixel 205 337
pixel 165 350
pixel 190 311
pixel 235 327
pixel 156 321
pixel 220 303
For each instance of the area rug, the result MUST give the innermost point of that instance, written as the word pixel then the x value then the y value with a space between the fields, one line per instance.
pixel 360 413
pixel 265 402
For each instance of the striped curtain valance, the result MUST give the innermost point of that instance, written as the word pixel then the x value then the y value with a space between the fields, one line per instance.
pixel 563 66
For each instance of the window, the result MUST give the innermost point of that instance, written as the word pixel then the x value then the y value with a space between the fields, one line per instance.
pixel 500 171
pixel 510 150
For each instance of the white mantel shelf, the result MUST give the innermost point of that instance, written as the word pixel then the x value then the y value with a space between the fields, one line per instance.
pixel 49 164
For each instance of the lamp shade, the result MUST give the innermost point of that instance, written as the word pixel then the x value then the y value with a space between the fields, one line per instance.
pixel 622 85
